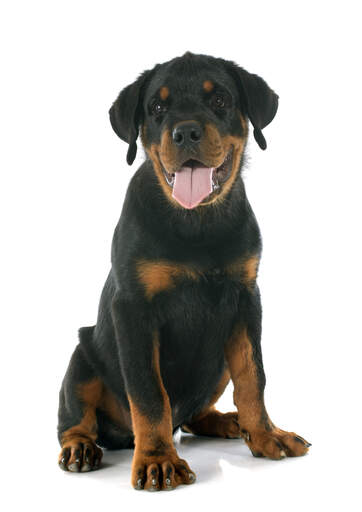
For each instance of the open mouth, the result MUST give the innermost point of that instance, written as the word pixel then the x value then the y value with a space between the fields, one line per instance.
pixel 195 182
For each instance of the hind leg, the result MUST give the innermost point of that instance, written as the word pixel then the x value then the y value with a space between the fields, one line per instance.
pixel 80 396
pixel 213 423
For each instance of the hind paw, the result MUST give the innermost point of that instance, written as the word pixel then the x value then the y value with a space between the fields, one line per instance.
pixel 80 455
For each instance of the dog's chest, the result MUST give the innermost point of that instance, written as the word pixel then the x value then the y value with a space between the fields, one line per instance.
pixel 196 322
pixel 166 278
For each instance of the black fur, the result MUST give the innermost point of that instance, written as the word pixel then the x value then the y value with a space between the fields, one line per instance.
pixel 194 319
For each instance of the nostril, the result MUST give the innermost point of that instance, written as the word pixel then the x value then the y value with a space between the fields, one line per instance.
pixel 195 135
pixel 178 137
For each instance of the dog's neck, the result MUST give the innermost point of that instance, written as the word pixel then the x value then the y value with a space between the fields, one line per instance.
pixel 209 224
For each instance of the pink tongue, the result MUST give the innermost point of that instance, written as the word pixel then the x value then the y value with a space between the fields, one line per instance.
pixel 192 185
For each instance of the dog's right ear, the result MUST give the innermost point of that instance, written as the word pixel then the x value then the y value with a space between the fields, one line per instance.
pixel 126 113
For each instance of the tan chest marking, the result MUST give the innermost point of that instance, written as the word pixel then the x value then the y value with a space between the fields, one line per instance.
pixel 159 276
pixel 246 270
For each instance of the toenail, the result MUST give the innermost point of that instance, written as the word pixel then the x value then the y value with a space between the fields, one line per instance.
pixel 245 435
pixel 256 454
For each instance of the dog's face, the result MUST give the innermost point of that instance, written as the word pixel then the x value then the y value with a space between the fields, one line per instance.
pixel 193 115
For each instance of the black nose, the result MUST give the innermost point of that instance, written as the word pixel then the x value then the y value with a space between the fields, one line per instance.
pixel 187 133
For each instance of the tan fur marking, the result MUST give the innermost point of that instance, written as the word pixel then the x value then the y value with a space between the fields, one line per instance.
pixel 260 434
pixel 168 153
pixel 208 86
pixel 247 396
pixel 90 394
pixel 153 441
pixel 238 145
pixel 212 422
pixel 114 409
pixel 246 270
pixel 95 395
pixel 144 135
pixel 145 431
pixel 167 417
pixel 213 150
pixel 215 423
pixel 154 154
pixel 251 268
pixel 164 93
pixel 159 276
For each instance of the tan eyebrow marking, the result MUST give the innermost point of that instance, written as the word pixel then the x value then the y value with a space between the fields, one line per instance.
pixel 208 86
pixel 164 93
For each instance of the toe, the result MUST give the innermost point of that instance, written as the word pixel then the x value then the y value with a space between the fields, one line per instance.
pixel 232 431
pixel 98 454
pixel 295 446
pixel 274 449
pixel 152 483
pixel 138 480
pixel 184 475
pixel 63 459
pixel 88 458
pixel 75 460
pixel 169 481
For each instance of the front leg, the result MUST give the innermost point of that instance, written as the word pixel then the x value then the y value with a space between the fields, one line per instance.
pixel 243 354
pixel 156 464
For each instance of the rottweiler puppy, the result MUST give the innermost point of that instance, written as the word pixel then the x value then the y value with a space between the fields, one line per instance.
pixel 180 313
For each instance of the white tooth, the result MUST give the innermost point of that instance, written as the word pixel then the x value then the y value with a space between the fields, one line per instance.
pixel 215 184
pixel 170 179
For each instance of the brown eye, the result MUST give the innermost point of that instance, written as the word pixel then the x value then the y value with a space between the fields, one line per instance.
pixel 158 109
pixel 219 101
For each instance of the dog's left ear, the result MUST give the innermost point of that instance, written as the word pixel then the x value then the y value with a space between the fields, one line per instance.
pixel 126 113
pixel 258 100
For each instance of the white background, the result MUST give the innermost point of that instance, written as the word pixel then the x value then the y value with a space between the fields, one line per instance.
pixel 64 177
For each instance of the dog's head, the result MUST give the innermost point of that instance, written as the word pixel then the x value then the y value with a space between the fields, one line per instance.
pixel 193 115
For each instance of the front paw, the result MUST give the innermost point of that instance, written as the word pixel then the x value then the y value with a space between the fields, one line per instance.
pixel 160 472
pixel 275 444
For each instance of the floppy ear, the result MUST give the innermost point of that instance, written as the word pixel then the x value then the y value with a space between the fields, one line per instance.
pixel 126 114
pixel 259 101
